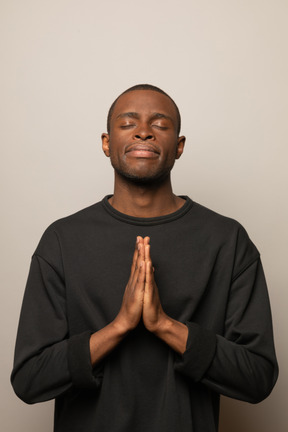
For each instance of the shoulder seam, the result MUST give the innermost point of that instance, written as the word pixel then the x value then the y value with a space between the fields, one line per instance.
pixel 245 268
pixel 50 265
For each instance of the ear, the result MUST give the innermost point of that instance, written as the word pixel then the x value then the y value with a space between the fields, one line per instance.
pixel 180 146
pixel 105 144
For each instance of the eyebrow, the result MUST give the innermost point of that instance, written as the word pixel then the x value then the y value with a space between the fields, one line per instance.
pixel 137 116
pixel 128 114
pixel 160 115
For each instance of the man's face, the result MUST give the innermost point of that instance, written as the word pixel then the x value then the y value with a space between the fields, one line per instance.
pixel 143 142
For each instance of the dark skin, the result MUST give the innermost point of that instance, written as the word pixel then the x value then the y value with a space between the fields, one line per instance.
pixel 143 145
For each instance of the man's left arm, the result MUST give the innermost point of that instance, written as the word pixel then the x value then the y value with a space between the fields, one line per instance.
pixel 242 364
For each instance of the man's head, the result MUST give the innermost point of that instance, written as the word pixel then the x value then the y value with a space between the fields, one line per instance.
pixel 143 134
pixel 143 87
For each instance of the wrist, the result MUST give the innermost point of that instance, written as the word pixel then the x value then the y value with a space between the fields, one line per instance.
pixel 174 333
pixel 163 326
pixel 121 327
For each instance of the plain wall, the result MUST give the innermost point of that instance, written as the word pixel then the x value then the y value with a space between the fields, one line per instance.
pixel 63 62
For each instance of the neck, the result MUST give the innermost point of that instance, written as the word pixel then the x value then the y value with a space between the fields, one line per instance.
pixel 148 200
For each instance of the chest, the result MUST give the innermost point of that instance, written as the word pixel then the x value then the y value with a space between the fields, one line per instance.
pixel 189 272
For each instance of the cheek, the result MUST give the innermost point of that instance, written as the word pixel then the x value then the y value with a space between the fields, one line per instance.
pixel 173 152
pixel 115 148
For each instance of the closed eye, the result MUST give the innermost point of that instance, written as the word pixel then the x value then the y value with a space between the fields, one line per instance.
pixel 127 126
pixel 159 127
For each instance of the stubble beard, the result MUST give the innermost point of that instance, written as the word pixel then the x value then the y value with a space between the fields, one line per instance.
pixel 142 180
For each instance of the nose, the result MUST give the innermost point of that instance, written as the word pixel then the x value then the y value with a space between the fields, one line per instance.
pixel 144 132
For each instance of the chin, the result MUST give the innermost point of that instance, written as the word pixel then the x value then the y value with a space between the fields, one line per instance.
pixel 144 179
pixel 142 175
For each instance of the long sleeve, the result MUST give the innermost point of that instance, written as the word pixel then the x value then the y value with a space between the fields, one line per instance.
pixel 209 276
pixel 242 362
pixel 48 360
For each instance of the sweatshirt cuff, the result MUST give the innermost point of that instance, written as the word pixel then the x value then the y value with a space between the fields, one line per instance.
pixel 79 362
pixel 200 350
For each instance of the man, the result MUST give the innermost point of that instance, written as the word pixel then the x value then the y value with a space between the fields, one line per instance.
pixel 148 346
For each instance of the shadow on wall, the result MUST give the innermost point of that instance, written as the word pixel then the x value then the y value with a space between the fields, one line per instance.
pixel 235 416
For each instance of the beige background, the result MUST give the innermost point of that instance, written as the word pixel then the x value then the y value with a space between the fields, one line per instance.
pixel 62 64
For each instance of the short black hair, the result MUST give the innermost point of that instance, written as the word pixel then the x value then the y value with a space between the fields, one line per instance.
pixel 143 87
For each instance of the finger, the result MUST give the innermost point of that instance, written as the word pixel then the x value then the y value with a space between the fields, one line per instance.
pixel 135 256
pixel 141 250
pixel 138 283
pixel 147 253
pixel 140 258
pixel 149 272
pixel 148 281
pixel 146 240
pixel 141 276
pixel 139 241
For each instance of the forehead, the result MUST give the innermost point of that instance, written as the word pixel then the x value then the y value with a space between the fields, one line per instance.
pixel 145 102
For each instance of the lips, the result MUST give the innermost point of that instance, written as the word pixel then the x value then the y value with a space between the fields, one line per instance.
pixel 142 150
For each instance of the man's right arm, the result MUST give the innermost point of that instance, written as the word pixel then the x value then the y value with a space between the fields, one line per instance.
pixel 47 360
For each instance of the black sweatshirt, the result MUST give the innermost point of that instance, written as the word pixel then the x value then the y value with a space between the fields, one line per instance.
pixel 209 276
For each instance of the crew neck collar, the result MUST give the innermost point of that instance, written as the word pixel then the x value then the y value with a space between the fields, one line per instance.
pixel 148 221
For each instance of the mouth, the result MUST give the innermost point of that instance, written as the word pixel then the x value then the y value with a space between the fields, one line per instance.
pixel 142 151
